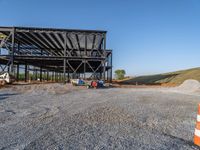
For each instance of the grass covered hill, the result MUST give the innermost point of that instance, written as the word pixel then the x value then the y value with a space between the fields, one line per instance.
pixel 175 78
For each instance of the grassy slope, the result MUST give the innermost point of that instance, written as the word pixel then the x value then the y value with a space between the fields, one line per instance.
pixel 170 78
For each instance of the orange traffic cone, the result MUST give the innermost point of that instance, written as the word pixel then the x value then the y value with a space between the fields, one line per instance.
pixel 197 129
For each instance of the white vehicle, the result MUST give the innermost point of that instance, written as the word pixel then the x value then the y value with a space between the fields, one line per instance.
pixel 6 78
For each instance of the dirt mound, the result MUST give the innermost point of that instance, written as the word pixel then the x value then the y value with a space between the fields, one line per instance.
pixel 189 86
pixel 54 88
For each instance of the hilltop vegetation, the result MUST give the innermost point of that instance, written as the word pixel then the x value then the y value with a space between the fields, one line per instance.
pixel 175 78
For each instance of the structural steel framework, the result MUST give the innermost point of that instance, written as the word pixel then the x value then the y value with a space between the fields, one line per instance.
pixel 61 53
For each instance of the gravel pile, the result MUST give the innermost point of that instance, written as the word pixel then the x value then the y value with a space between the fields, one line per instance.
pixel 113 118
pixel 52 88
pixel 190 86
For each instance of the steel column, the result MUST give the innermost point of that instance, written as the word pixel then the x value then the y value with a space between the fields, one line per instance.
pixel 68 78
pixel 36 74
pixel 12 52
pixel 111 68
pixel 104 70
pixel 85 55
pixel 40 74
pixel 47 75
pixel 25 77
pixel 64 61
pixel 84 69
pixel 104 63
pixel 17 72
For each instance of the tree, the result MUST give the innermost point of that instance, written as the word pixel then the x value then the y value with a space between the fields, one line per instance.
pixel 119 74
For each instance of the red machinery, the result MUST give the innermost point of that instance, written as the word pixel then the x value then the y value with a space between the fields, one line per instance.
pixel 97 84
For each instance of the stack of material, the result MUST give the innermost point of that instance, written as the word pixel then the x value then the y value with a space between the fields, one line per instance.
pixel 51 88
pixel 189 86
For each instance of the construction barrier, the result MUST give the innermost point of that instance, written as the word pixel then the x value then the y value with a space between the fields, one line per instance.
pixel 197 129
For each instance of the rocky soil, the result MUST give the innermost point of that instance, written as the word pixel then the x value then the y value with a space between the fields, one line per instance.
pixel 56 116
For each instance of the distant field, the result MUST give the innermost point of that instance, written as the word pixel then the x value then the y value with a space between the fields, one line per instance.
pixel 172 78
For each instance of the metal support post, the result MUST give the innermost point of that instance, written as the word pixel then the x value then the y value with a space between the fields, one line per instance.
pixel 52 78
pixel 40 74
pixel 17 72
pixel 36 74
pixel 25 77
pixel 85 55
pixel 12 52
pixel 104 62
pixel 84 69
pixel 85 44
pixel 47 75
pixel 68 78
pixel 64 61
pixel 104 71
pixel 111 69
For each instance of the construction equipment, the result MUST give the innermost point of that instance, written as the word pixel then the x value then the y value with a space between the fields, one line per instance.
pixel 78 82
pixel 97 84
pixel 2 36
pixel 6 78
pixel 92 84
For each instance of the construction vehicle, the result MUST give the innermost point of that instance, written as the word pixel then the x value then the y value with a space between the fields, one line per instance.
pixel 92 84
pixel 77 82
pixel 97 84
pixel 6 78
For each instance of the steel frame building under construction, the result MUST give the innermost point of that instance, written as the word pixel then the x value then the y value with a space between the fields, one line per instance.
pixel 59 54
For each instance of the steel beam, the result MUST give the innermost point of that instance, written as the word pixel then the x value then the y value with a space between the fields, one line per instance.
pixel 36 74
pixel 64 60
pixel 25 77
pixel 41 74
pixel 17 78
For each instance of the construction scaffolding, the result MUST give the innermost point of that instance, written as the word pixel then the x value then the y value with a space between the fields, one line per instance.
pixel 55 54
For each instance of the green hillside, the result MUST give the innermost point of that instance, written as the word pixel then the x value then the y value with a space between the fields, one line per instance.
pixel 177 77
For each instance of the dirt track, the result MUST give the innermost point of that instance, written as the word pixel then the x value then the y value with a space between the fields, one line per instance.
pixel 49 117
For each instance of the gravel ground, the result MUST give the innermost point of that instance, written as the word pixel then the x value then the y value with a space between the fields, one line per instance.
pixel 60 117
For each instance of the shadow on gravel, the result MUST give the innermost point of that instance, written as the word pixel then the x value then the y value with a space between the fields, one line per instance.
pixel 6 95
pixel 190 143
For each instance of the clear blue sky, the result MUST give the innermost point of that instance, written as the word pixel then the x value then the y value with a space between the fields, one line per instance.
pixel 147 36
